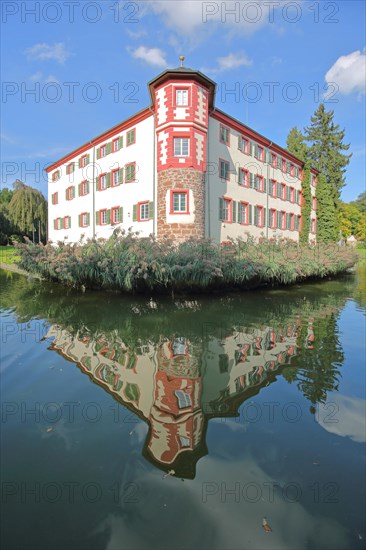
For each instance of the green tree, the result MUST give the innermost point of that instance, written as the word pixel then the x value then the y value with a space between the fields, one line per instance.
pixel 296 144
pixel 350 218
pixel 28 210
pixel 6 195
pixel 326 151
pixel 306 205
pixel 360 202
pixel 327 222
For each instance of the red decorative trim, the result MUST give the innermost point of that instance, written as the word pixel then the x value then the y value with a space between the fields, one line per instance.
pixel 99 184
pixel 274 189
pixel 134 120
pixel 66 218
pixel 82 194
pixel 283 219
pixel 68 193
pixel 186 192
pixel 114 141
pixel 138 211
pixel 274 222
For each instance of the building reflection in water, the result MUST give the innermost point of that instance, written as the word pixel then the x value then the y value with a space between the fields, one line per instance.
pixel 177 385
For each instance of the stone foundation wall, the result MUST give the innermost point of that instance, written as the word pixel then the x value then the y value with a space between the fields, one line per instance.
pixel 175 179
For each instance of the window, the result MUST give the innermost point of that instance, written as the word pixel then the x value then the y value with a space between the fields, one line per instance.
pixel 298 223
pixel 292 222
pixel 292 170
pixel 243 177
pixel 130 172
pixel 260 183
pixel 184 399
pixel 103 217
pixel 55 198
pixel 313 225
pixel 116 214
pixel 181 98
pixel 184 441
pixel 70 168
pixel 259 216
pixel 284 164
pixel 292 194
pixel 57 223
pixel 272 188
pixel 103 151
pixel 259 153
pixel 115 145
pixel 224 135
pixel 70 193
pixel 272 218
pixel 283 191
pixel 67 222
pixel 179 202
pixel 314 203
pixel 243 217
pixel 143 211
pixel 243 144
pixel 83 188
pixel 103 181
pixel 181 147
pixel 283 220
pixel 224 169
pixel 117 177
pixel 56 175
pixel 131 137
pixel 299 196
pixel 84 219
pixel 274 160
pixel 83 161
pixel 226 210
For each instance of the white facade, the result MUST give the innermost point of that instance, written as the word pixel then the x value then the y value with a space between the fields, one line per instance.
pixel 252 186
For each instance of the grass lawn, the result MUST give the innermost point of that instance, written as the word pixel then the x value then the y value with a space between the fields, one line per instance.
pixel 8 254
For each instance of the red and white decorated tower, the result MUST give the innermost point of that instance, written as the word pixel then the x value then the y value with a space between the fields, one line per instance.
pixel 181 99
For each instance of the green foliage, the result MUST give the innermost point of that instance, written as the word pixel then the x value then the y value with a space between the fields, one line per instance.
pixel 326 151
pixel 360 202
pixel 296 144
pixel 327 223
pixel 26 209
pixel 306 205
pixel 6 195
pixel 129 263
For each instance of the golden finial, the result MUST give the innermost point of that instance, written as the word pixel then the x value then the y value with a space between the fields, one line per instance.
pixel 181 57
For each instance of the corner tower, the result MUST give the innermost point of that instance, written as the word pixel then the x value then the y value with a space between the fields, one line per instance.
pixel 181 99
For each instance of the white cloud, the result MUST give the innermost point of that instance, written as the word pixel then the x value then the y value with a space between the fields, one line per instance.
pixel 349 73
pixel 232 61
pixel 229 62
pixel 45 52
pixel 152 56
pixel 344 416
pixel 52 78
pixel 185 16
pixel 36 76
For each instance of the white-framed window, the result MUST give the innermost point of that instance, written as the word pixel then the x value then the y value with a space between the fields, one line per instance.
pixel 243 213
pixel 67 222
pixel 131 137
pixel 103 181
pixel 258 216
pixel 103 150
pixel 184 399
pixel 144 211
pixel 103 217
pixel 181 98
pixel 181 147
pixel 116 215
pixel 243 177
pixel 84 187
pixel 179 201
pixel 272 218
pixel 84 219
pixel 226 213
pixel 115 178
pixel 244 144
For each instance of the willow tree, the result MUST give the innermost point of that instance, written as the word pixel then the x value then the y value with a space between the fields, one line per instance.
pixel 28 210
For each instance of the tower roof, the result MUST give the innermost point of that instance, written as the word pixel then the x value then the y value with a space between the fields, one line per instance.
pixel 183 73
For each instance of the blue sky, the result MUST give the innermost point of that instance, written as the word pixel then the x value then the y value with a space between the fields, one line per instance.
pixel 88 64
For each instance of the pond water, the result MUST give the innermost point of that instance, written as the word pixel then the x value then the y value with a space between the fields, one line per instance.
pixel 174 423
